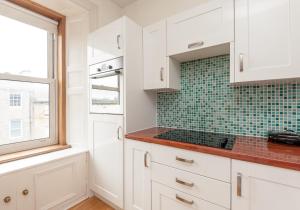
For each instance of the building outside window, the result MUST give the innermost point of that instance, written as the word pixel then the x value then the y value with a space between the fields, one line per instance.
pixel 15 129
pixel 14 99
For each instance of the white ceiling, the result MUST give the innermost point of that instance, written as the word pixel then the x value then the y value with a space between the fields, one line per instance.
pixel 123 3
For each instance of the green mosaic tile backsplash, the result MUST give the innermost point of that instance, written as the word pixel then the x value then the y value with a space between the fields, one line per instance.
pixel 207 102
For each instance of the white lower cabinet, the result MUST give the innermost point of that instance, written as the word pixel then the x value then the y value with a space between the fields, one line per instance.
pixel 175 179
pixel 166 198
pixel 60 182
pixel 56 185
pixel 25 193
pixel 165 178
pixel 137 175
pixel 107 157
pixel 259 187
pixel 8 194
pixel 202 187
pixel 212 166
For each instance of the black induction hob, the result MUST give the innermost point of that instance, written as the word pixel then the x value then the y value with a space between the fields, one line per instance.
pixel 217 140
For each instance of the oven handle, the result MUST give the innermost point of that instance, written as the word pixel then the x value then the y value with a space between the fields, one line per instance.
pixel 106 74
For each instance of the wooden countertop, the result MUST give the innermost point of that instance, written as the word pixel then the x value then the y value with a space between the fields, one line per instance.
pixel 251 149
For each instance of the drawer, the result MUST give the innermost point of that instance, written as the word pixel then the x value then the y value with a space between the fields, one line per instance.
pixel 212 190
pixel 212 166
pixel 165 198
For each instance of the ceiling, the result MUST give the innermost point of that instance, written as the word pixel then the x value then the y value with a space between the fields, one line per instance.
pixel 123 3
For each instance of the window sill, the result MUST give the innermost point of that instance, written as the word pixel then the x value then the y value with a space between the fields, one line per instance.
pixel 33 161
pixel 30 153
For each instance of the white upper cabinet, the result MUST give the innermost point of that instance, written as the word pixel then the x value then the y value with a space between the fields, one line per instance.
pixel 260 187
pixel 155 55
pixel 106 42
pixel 205 26
pixel 160 71
pixel 267 40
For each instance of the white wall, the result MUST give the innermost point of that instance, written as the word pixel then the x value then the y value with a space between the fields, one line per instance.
pixel 145 12
pixel 107 12
pixel 77 30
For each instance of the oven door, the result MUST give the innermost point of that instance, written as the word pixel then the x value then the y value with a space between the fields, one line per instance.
pixel 106 92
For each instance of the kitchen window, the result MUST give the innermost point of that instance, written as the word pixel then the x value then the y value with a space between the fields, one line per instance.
pixel 29 75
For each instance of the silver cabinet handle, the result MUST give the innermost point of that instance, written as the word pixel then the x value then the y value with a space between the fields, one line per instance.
pixel 184 160
pixel 118 132
pixel 184 200
pixel 239 185
pixel 118 41
pixel 195 44
pixel 162 74
pixel 7 199
pixel 241 62
pixel 145 160
pixel 191 184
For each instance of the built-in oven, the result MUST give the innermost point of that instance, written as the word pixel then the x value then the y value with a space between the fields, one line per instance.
pixel 106 87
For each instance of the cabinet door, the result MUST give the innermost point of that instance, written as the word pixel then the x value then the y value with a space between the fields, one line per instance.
pixel 107 157
pixel 155 44
pixel 106 42
pixel 259 187
pixel 137 175
pixel 60 182
pixel 8 198
pixel 165 198
pixel 267 39
pixel 208 25
pixel 25 190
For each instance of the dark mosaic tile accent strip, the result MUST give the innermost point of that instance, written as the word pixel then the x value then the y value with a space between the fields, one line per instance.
pixel 207 102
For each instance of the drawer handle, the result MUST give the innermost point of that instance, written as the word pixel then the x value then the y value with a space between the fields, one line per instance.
pixel 241 62
pixel 239 185
pixel 189 184
pixel 7 199
pixel 184 160
pixel 195 44
pixel 145 160
pixel 25 192
pixel 118 41
pixel 162 74
pixel 118 133
pixel 184 200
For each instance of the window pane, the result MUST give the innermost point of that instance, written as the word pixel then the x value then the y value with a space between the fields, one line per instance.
pixel 24 49
pixel 15 100
pixel 30 120
pixel 15 129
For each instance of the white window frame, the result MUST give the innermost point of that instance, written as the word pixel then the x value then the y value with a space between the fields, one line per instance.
pixel 13 99
pixel 10 129
pixel 26 16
